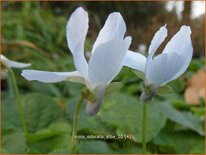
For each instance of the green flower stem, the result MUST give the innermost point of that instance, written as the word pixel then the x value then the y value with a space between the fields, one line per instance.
pixel 144 124
pixel 75 124
pixel 18 102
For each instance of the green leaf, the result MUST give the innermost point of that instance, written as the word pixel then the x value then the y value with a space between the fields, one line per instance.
pixel 164 90
pixel 53 130
pixel 97 147
pixel 196 64
pixel 14 142
pixel 125 113
pixel 10 116
pixel 87 124
pixel 43 88
pixel 93 125
pixel 61 151
pixel 50 144
pixel 139 74
pixel 113 87
pixel 3 151
pixel 39 135
pixel 180 142
pixel 200 111
pixel 180 103
pixel 185 119
pixel 177 85
pixel 40 111
pixel 131 150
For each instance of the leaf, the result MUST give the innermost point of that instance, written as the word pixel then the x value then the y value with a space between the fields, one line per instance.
pixel 10 116
pixel 53 130
pixel 87 124
pixel 49 89
pixel 50 144
pixel 3 151
pixel 61 151
pixel 185 119
pixel 39 135
pixel 200 111
pixel 40 111
pixel 164 90
pixel 177 85
pixel 14 142
pixel 196 64
pixel 125 113
pixel 180 142
pixel 131 150
pixel 139 74
pixel 180 104
pixel 44 121
pixel 113 87
pixel 72 89
pixel 97 147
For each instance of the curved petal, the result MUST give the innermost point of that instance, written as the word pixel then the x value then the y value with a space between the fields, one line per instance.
pixel 135 61
pixel 13 64
pixel 76 31
pixel 180 42
pixel 106 62
pixel 76 28
pixel 184 67
pixel 80 62
pixel 114 28
pixel 93 106
pixel 51 77
pixel 157 40
pixel 164 67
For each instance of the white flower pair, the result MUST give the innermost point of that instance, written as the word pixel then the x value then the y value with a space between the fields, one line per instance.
pixel 110 52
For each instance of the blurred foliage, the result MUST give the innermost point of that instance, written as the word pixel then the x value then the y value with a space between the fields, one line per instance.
pixel 35 32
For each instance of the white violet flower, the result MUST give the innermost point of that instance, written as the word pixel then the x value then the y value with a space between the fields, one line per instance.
pixel 13 64
pixel 167 66
pixel 106 58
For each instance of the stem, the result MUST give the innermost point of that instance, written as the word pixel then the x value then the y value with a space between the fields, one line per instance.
pixel 144 124
pixel 18 102
pixel 75 124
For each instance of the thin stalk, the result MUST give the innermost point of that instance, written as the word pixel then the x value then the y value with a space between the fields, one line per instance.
pixel 144 124
pixel 75 124
pixel 18 102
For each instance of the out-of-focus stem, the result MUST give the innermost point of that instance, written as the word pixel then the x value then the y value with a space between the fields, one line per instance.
pixel 18 102
pixel 144 124
pixel 75 124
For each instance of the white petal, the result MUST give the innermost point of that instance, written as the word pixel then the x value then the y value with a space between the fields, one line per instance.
pixel 50 77
pixel 184 67
pixel 106 62
pixel 76 31
pixel 77 28
pixel 93 107
pixel 157 40
pixel 135 61
pixel 180 42
pixel 114 28
pixel 164 67
pixel 80 62
pixel 13 64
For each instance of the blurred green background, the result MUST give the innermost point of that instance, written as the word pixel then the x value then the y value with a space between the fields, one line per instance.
pixel 35 32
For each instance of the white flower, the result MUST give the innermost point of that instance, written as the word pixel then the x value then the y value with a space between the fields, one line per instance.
pixel 13 64
pixel 167 66
pixel 106 58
